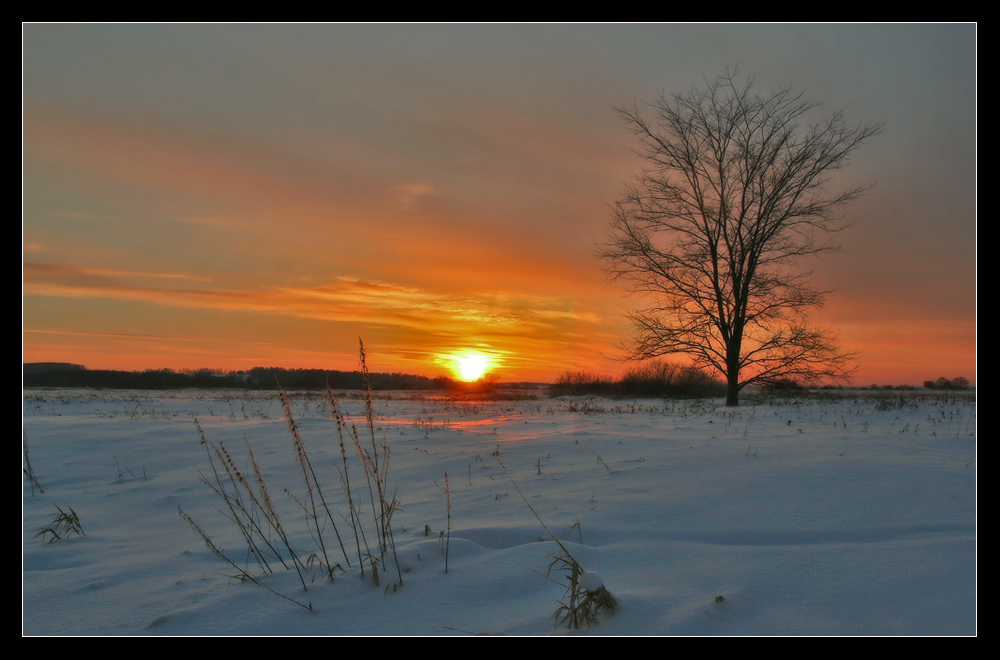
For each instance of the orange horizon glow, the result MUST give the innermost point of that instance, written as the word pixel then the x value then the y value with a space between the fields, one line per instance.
pixel 879 365
pixel 406 328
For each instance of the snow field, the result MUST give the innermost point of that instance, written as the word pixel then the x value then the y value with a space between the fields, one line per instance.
pixel 849 516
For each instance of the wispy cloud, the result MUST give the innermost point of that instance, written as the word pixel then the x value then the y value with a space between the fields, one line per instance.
pixel 405 196
pixel 345 299
pixel 116 335
pixel 53 272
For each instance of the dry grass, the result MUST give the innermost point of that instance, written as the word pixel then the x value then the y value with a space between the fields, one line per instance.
pixel 320 547
pixel 27 470
pixel 586 597
pixel 63 526
pixel 246 502
pixel 447 541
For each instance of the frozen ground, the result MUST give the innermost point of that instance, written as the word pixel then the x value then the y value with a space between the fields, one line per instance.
pixel 846 517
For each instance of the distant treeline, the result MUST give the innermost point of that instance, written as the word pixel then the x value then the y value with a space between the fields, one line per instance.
pixel 48 374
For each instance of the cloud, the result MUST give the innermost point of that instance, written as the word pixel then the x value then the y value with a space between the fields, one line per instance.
pixel 404 197
pixel 128 335
pixel 527 329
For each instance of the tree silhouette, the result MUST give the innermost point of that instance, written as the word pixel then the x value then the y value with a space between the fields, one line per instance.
pixel 713 230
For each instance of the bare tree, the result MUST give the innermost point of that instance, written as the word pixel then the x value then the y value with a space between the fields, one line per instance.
pixel 734 196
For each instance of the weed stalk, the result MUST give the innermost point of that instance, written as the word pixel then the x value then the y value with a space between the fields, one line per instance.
pixel 241 572
pixel 355 520
pixel 311 481
pixel 247 503
pixel 447 540
pixel 28 472
pixel 378 467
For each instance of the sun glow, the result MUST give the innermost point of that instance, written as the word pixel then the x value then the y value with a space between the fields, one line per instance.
pixel 472 366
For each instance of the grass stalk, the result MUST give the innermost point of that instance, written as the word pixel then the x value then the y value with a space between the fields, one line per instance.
pixel 447 539
pixel 247 503
pixel 242 573
pixel 266 505
pixel 255 510
pixel 66 523
pixel 231 501
pixel 379 466
pixel 355 520
pixel 28 472
pixel 311 481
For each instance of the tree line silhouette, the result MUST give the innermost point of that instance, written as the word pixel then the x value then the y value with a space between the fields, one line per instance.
pixel 49 374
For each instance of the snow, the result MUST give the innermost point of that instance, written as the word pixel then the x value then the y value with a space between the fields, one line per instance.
pixel 591 581
pixel 854 516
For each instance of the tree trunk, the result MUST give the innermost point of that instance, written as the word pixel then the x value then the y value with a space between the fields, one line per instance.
pixel 733 392
pixel 733 348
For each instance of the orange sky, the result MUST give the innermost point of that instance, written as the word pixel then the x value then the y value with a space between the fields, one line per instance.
pixel 230 197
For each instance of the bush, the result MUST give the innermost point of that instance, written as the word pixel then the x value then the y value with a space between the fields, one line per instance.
pixel 942 383
pixel 788 385
pixel 581 382
pixel 652 379
pixel 668 380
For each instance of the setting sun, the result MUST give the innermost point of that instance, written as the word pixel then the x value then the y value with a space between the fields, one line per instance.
pixel 471 367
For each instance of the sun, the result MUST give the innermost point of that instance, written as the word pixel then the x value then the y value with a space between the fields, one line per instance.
pixel 471 367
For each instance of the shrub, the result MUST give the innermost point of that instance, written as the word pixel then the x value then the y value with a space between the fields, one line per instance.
pixel 669 380
pixel 651 379
pixel 942 383
pixel 581 382
pixel 780 385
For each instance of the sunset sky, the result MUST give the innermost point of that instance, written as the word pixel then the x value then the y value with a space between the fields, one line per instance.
pixel 262 195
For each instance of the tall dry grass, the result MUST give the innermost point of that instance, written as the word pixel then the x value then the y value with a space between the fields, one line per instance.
pixel 246 502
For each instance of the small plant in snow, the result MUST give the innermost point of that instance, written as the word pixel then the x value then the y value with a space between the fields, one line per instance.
pixel 63 526
pixel 28 472
pixel 586 595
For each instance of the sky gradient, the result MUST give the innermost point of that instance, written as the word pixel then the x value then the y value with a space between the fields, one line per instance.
pixel 238 196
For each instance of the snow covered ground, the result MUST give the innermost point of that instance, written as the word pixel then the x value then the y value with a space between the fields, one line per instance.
pixel 847 517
